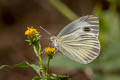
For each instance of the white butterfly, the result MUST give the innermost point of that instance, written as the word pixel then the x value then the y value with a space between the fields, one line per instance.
pixel 79 39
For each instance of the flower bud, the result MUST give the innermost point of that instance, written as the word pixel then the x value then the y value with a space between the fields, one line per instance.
pixel 50 52
pixel 33 36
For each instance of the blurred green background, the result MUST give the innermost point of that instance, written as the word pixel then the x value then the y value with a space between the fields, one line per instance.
pixel 53 15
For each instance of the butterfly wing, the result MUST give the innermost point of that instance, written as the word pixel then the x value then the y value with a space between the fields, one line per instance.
pixel 80 48
pixel 80 39
pixel 86 24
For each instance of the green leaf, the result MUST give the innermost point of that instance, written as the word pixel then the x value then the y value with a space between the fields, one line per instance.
pixel 53 76
pixel 24 65
pixel 63 76
pixel 35 77
pixel 57 77
pixel 35 67
pixel 3 66
pixel 21 65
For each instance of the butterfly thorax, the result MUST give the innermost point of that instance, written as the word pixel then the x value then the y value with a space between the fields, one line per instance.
pixel 56 41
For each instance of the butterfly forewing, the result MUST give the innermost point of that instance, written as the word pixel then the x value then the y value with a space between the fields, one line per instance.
pixel 86 24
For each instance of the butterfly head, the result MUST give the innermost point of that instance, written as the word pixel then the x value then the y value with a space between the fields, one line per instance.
pixel 53 38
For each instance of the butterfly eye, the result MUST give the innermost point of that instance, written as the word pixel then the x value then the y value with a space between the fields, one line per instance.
pixel 86 29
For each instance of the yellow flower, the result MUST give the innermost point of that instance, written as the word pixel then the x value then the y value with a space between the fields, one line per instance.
pixel 30 31
pixel 49 50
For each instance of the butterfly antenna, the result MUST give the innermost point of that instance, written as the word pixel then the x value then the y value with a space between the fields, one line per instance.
pixel 45 30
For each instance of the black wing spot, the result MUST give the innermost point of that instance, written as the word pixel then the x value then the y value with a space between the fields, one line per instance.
pixel 87 29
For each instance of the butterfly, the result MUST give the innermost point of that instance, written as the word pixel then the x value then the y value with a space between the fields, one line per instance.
pixel 79 39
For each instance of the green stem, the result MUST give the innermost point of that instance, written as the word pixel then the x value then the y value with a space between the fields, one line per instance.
pixel 37 49
pixel 47 69
pixel 42 68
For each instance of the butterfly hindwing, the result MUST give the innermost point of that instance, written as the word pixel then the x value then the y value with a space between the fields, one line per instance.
pixel 80 48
